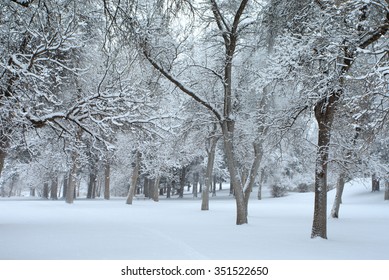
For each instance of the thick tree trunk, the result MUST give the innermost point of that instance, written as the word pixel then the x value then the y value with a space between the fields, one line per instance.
pixel 241 207
pixel 386 189
pixel 338 197
pixel 211 150
pixel 107 180
pixel 324 113
pixel 134 178
pixel 319 227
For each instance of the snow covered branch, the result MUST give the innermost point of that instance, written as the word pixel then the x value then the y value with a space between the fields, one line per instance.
pixel 24 3
pixel 182 87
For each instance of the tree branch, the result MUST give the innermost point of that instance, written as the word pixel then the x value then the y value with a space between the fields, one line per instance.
pixel 24 3
pixel 377 34
pixel 186 90
pixel 220 21
pixel 238 15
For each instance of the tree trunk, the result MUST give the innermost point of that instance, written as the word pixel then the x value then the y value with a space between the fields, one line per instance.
pixel 258 152
pixel 134 178
pixel 3 155
pixel 4 143
pixel 155 188
pixel 195 183
pixel 211 150
pixel 72 182
pixel 11 187
pixel 241 208
pixel 65 185
pixel 54 188
pixel 107 179
pixel 162 190
pixel 182 182
pixel 338 197
pixel 261 180
pixel 324 114
pixel 386 189
pixel 169 189
pixel 45 193
pixel 92 185
pixel 375 183
pixel 146 187
pixel 214 186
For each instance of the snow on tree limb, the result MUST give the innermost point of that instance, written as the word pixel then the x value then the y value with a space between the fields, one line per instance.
pixel 24 3
pixel 182 87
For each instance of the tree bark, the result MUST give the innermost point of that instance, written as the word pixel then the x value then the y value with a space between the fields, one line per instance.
pixel 155 188
pixel 134 178
pixel 182 182
pixel 195 183
pixel 146 187
pixel 386 189
pixel 261 180
pixel 12 185
pixel 338 197
pixel 324 114
pixel 72 182
pixel 241 209
pixel 169 189
pixel 65 185
pixel 258 152
pixel 92 185
pixel 375 183
pixel 45 193
pixel 211 150
pixel 107 180
pixel 3 155
pixel 54 188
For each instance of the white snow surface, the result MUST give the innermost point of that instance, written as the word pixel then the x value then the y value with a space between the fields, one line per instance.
pixel 278 229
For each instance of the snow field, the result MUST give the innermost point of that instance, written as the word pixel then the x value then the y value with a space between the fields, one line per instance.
pixel 174 229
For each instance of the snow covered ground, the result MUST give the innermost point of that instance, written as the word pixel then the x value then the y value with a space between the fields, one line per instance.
pixel 279 228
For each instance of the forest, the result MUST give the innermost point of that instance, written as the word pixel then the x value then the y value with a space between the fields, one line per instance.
pixel 166 98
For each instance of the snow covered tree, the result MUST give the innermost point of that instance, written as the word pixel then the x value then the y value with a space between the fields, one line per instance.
pixel 328 38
